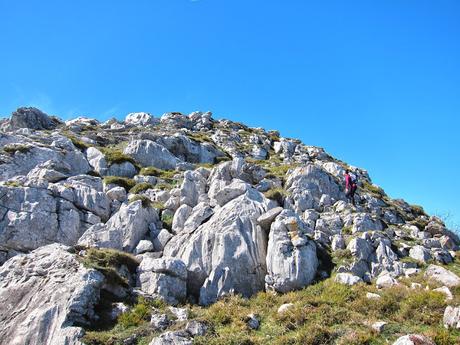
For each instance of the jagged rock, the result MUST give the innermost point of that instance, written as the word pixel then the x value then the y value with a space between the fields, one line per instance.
pixel 198 216
pixel 442 275
pixel 193 186
pixel 196 328
pixel 285 307
pixel 180 217
pixel 117 193
pixel 360 248
pixel 123 230
pixel 446 291
pixel 230 192
pixel 385 281
pixel 365 222
pixel 33 217
pixel 144 246
pixel 413 339
pixel 292 261
pixel 266 220
pixel 347 279
pixel 31 118
pixel 160 239
pixel 159 322
pixel 165 277
pixel 379 326
pixel 337 242
pixel 189 150
pixel 81 121
pixel 45 294
pixel 181 314
pixel 452 317
pixel 140 119
pixel 149 153
pixel 209 250
pixel 252 321
pixel 420 253
pixel 172 338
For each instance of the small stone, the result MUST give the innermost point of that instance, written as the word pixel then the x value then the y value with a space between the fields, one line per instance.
pixel 386 281
pixel 347 279
pixel 159 321
pixel 379 326
pixel 196 328
pixel 180 313
pixel 371 295
pixel 252 321
pixel 285 307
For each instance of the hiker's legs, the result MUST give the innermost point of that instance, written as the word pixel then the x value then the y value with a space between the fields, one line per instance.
pixel 352 194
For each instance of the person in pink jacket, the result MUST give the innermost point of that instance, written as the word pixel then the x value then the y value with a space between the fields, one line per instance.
pixel 350 186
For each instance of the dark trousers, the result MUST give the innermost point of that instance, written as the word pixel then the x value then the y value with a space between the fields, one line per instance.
pixel 351 193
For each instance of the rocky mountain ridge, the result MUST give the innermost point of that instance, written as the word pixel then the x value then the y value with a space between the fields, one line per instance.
pixel 186 209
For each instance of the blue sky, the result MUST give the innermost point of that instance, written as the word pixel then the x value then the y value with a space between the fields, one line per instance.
pixel 376 83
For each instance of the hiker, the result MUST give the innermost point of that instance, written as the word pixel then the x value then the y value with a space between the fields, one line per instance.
pixel 350 186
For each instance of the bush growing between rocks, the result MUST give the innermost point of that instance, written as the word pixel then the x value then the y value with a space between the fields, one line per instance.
pixel 146 202
pixel 114 155
pixel 13 148
pixel 140 187
pixel 277 194
pixel 126 183
pixel 152 171
pixel 107 261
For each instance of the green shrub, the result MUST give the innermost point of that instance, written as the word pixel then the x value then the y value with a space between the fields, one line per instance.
pixel 13 148
pixel 347 230
pixel 221 159
pixel 126 183
pixel 140 187
pixel 277 194
pixel 13 184
pixel 152 171
pixel 373 189
pixel 114 155
pixel 138 315
pixel 417 210
pixel 146 202
pixel 107 261
pixel 78 143
pixel 167 220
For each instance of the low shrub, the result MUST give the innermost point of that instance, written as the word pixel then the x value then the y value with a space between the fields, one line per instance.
pixel 126 183
pixel 277 194
pixel 114 155
pixel 146 202
pixel 140 187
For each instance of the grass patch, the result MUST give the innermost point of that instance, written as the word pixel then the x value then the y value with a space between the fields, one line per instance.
pixel 13 184
pixel 417 210
pixel 347 230
pixel 126 183
pixel 78 143
pixel 115 155
pixel 164 174
pixel 146 202
pixel 11 149
pixel 107 261
pixel 140 187
pixel 277 194
pixel 373 189
pixel 167 219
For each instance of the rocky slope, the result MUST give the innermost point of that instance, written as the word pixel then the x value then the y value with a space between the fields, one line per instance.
pixel 187 209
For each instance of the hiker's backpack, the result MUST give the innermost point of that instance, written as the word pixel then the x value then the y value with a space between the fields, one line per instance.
pixel 354 178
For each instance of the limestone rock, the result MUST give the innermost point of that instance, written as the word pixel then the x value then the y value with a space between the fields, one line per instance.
pixel 452 317
pixel 347 279
pixel 31 118
pixel 442 275
pixel 45 294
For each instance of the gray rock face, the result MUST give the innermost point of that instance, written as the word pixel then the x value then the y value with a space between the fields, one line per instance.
pixel 44 294
pixel 123 230
pixel 227 253
pixel 31 118
pixel 420 253
pixel 442 275
pixel 34 217
pixel 291 259
pixel 149 153
pixel 165 277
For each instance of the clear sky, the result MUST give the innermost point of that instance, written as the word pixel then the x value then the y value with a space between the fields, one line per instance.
pixel 376 83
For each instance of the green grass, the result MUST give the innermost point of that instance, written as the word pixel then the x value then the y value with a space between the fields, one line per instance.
pixel 347 230
pixel 13 184
pixel 146 202
pixel 167 220
pixel 327 313
pixel 107 261
pixel 13 148
pixel 140 187
pixel 152 171
pixel 126 183
pixel 200 137
pixel 417 210
pixel 277 194
pixel 373 189
pixel 115 155
pixel 78 143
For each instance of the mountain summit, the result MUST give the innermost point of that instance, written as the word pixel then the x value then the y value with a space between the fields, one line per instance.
pixel 138 231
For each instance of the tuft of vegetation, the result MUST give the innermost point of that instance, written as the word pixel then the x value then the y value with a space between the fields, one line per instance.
pixel 373 189
pixel 347 230
pixel 13 184
pixel 277 194
pixel 417 210
pixel 163 174
pixel 146 202
pixel 167 219
pixel 78 143
pixel 221 159
pixel 13 148
pixel 126 183
pixel 115 155
pixel 140 187
pixel 200 137
pixel 108 261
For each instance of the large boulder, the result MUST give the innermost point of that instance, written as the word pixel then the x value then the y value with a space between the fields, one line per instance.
pixel 149 153
pixel 34 217
pixel 33 118
pixel 123 230
pixel 291 259
pixel 442 275
pixel 164 277
pixel 452 317
pixel 227 253
pixel 44 295
pixel 140 119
